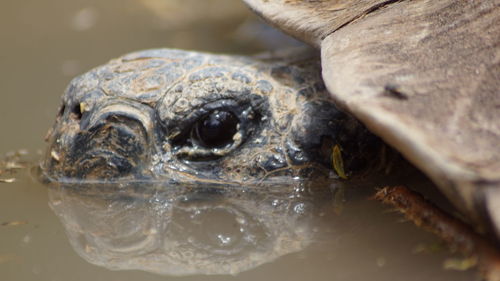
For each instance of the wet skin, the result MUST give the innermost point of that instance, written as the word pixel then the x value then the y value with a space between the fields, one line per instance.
pixel 171 115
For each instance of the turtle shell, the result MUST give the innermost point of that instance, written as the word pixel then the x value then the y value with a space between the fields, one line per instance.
pixel 423 75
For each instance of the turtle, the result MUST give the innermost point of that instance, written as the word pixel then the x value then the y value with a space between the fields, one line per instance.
pixel 422 75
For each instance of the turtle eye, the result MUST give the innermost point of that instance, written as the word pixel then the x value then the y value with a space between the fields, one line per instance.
pixel 216 129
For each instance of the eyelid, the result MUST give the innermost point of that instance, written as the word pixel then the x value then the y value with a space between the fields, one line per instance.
pixel 185 147
pixel 221 105
pixel 182 130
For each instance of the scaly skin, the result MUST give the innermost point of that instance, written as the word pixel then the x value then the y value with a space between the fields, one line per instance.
pixel 139 117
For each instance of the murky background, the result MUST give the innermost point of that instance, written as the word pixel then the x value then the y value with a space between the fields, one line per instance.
pixel 45 43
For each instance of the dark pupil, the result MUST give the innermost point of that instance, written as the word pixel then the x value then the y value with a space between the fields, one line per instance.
pixel 217 129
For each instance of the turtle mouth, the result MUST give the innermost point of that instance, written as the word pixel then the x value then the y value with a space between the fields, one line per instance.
pixel 109 143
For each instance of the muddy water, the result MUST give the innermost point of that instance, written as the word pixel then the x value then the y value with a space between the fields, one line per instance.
pixel 45 43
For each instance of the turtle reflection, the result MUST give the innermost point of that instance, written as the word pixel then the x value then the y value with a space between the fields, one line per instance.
pixel 181 230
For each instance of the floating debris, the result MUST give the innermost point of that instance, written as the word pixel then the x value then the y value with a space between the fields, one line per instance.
pixel 337 162
pixel 9 180
pixel 13 166
pixel 12 162
pixel 429 248
pixel 460 264
pixel 14 223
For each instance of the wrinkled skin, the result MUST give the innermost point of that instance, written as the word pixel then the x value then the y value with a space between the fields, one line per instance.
pixel 171 115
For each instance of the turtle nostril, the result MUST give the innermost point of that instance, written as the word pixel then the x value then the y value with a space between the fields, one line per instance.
pixel 76 112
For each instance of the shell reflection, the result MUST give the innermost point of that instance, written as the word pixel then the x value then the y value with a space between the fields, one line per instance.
pixel 182 230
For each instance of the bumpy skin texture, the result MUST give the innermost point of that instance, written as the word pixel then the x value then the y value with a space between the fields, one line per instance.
pixel 139 117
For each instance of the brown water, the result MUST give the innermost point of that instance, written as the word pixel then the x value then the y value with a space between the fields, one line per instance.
pixel 45 43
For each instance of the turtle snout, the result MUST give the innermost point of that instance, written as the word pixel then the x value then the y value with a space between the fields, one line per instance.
pixel 114 147
pixel 110 143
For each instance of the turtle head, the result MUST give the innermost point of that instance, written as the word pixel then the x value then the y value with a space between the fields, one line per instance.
pixel 177 115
